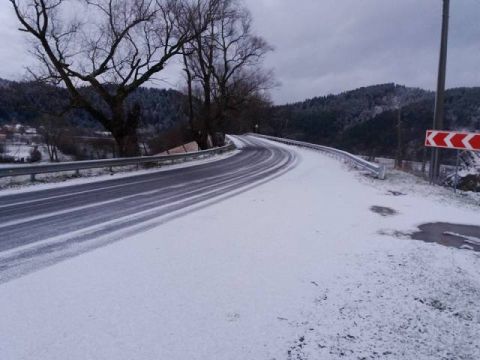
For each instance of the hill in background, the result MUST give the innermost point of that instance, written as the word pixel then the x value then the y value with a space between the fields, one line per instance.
pixel 366 120
pixel 26 102
pixel 363 121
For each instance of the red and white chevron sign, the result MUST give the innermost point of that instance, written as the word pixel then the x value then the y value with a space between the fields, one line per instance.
pixel 453 140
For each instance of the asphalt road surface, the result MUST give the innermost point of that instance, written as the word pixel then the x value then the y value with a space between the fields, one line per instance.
pixel 43 227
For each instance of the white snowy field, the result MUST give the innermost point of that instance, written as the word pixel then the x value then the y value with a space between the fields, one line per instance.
pixel 296 268
pixel 22 150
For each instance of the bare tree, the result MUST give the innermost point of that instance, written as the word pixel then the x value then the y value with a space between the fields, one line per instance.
pixel 237 70
pixel 52 130
pixel 197 124
pixel 102 60
pixel 198 60
pixel 224 64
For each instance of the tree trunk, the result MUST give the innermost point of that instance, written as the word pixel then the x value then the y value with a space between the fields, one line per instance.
pixel 218 138
pixel 201 138
pixel 217 129
pixel 50 151
pixel 124 130
pixel 55 153
pixel 127 141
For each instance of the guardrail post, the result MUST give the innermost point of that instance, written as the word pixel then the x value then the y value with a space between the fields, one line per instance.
pixel 32 177
pixel 77 172
pixel 383 172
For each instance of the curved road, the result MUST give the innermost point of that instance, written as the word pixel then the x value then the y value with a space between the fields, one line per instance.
pixel 42 227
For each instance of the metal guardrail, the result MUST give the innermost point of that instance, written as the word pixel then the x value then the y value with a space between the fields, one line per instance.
pixel 33 170
pixel 378 170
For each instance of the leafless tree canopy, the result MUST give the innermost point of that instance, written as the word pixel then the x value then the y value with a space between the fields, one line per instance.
pixel 223 67
pixel 111 46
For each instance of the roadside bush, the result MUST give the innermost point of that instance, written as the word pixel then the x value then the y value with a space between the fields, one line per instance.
pixel 35 155
pixel 470 182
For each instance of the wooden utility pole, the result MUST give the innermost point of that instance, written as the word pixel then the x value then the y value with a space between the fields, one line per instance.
pixel 438 118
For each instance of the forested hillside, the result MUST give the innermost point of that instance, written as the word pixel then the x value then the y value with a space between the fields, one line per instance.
pixel 363 121
pixel 27 102
pixel 367 120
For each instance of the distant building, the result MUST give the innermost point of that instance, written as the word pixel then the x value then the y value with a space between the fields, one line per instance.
pixel 30 131
pixel 103 133
pixel 10 128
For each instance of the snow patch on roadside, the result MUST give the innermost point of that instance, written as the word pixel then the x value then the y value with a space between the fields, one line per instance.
pixel 405 183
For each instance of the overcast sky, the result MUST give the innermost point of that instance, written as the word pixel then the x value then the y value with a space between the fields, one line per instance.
pixel 329 46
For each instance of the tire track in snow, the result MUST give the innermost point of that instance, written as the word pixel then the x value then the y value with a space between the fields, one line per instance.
pixel 61 224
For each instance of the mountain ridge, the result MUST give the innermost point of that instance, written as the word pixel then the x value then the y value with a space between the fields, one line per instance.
pixel 365 120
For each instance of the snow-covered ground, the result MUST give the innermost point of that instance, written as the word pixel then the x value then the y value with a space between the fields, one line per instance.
pixel 22 151
pixel 297 268
pixel 18 151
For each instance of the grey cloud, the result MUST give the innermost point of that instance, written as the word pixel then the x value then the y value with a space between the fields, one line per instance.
pixel 13 47
pixel 330 46
pixel 325 46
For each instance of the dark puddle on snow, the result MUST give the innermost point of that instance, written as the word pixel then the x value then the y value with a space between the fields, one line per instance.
pixel 453 235
pixel 383 211
pixel 395 193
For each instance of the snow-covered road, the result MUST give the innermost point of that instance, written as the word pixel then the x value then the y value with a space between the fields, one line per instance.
pixel 42 227
pixel 296 268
